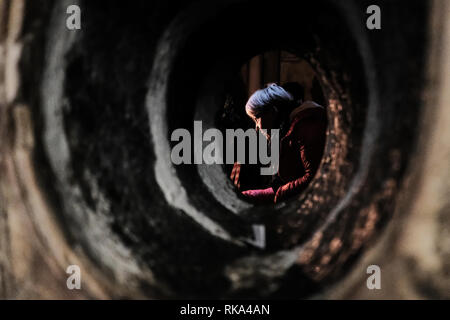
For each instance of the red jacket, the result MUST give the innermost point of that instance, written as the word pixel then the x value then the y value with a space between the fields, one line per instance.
pixel 301 151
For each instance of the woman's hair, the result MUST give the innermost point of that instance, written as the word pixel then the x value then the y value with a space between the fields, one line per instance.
pixel 271 97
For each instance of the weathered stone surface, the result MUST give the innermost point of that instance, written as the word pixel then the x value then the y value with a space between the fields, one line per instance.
pixel 84 176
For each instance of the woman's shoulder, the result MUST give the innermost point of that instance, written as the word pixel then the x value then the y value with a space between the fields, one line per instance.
pixel 307 109
pixel 308 119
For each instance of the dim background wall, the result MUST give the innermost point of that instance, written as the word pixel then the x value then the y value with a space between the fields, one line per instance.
pixel 278 67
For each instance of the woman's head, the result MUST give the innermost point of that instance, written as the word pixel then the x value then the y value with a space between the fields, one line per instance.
pixel 267 107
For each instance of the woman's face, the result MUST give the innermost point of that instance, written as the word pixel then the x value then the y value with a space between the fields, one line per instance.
pixel 265 121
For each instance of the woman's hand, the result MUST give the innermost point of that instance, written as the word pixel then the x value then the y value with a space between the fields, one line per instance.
pixel 235 173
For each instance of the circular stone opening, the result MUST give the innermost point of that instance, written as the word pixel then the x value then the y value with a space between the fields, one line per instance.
pixel 200 76
pixel 106 128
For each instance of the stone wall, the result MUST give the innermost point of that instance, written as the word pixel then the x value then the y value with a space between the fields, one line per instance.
pixel 83 176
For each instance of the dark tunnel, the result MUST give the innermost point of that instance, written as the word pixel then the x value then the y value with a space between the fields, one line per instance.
pixel 106 99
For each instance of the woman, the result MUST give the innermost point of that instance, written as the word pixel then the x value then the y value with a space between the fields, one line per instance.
pixel 302 128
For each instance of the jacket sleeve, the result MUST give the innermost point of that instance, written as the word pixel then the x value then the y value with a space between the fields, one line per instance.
pixel 310 139
pixel 259 196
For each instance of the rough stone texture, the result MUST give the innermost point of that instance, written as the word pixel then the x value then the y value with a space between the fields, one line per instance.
pixel 81 115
